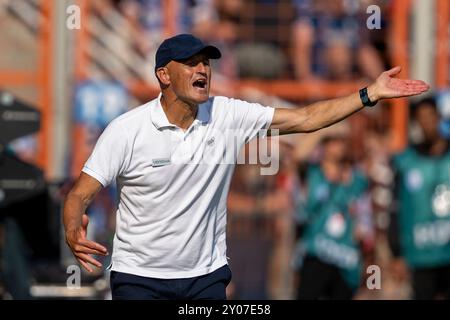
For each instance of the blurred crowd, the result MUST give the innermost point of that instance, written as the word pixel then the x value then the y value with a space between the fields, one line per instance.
pixel 337 202
pixel 269 39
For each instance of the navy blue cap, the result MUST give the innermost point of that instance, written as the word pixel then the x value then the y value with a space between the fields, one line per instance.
pixel 181 47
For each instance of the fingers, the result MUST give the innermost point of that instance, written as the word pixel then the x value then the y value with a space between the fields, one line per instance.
pixel 85 265
pixel 98 248
pixel 82 253
pixel 84 249
pixel 88 259
pixel 418 89
pixel 415 82
pixel 412 92
pixel 415 89
pixel 394 71
pixel 417 86
pixel 88 247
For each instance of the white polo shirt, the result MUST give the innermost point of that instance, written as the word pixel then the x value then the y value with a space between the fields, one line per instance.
pixel 173 184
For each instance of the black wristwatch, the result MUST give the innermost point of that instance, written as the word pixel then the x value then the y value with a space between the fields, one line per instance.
pixel 365 98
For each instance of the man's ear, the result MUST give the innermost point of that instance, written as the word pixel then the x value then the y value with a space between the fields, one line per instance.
pixel 163 76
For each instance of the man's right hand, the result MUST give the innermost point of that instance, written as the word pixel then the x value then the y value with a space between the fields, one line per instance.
pixel 82 248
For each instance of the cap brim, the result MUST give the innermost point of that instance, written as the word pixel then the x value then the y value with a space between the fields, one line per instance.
pixel 210 51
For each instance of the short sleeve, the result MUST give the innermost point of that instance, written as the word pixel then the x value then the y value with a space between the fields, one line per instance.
pixel 108 159
pixel 252 118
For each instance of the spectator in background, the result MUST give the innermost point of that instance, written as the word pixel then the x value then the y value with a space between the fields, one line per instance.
pixel 211 20
pixel 250 228
pixel 420 223
pixel 330 42
pixel 216 21
pixel 280 204
pixel 263 38
pixel 330 259
pixel 145 26
pixel 260 232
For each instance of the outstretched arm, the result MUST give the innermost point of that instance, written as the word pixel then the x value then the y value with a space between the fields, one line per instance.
pixel 325 113
pixel 76 221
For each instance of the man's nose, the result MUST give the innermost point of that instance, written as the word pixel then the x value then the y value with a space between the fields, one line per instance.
pixel 201 68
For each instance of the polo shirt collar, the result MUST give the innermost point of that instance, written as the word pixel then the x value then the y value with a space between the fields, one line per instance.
pixel 160 120
pixel 203 114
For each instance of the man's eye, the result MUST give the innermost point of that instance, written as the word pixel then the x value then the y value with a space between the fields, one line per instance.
pixel 195 63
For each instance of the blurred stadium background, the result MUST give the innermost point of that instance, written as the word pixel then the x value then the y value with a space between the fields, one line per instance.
pixel 277 53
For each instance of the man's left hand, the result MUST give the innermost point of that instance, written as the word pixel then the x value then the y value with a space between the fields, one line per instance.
pixel 386 86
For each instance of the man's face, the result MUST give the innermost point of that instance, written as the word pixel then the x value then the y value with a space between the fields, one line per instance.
pixel 428 119
pixel 190 79
pixel 336 150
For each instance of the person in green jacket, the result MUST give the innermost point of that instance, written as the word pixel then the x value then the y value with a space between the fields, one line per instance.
pixel 330 260
pixel 420 224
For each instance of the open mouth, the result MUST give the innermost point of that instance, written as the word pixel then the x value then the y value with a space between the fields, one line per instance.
pixel 200 83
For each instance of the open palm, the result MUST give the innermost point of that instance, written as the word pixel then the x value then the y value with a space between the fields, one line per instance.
pixel 389 87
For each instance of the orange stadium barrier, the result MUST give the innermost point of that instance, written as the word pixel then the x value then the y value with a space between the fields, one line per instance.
pixel 82 42
pixel 442 58
pixel 45 72
pixel 41 79
pixel 399 56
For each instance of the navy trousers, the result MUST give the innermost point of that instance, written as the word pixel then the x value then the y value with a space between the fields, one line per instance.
pixel 211 286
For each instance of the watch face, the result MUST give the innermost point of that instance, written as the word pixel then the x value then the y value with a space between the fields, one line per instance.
pixel 365 98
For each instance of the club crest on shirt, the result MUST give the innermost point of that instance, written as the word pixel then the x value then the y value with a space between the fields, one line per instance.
pixel 335 226
pixel 414 180
pixel 441 201
pixel 211 142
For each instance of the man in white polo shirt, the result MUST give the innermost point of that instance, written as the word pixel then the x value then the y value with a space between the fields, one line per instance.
pixel 171 160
